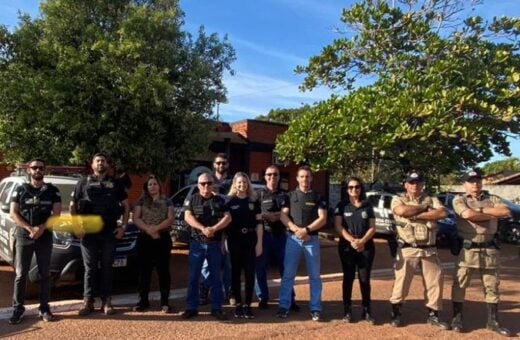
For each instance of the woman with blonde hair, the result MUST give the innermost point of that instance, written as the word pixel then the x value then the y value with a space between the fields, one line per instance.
pixel 244 240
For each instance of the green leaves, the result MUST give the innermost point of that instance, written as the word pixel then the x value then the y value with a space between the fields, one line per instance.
pixel 446 93
pixel 119 76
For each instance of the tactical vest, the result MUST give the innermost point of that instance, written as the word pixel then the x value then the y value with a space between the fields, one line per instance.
pixel 100 198
pixel 417 232
pixel 35 208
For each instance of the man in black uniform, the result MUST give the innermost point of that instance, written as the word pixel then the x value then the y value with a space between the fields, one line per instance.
pixel 271 199
pixel 31 206
pixel 207 215
pixel 102 195
pixel 304 212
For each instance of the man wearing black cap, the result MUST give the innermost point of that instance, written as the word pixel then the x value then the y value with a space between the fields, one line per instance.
pixel 477 219
pixel 416 215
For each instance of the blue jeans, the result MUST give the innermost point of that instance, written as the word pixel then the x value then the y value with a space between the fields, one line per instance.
pixel 293 250
pixel 199 252
pixel 98 248
pixel 226 275
pixel 273 248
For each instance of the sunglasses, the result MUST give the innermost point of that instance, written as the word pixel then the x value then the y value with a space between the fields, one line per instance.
pixel 37 167
pixel 220 163
pixel 352 187
pixel 205 183
pixel 271 174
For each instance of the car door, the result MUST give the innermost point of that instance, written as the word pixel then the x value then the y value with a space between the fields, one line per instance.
pixel 7 226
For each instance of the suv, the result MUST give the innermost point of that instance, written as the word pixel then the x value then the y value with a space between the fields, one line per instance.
pixel 385 222
pixel 180 231
pixel 66 265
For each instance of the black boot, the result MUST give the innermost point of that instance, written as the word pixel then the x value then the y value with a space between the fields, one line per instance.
pixel 396 315
pixel 347 315
pixel 367 316
pixel 492 322
pixel 433 319
pixel 456 322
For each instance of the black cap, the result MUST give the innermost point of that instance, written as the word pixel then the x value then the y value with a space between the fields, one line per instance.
pixel 414 175
pixel 474 173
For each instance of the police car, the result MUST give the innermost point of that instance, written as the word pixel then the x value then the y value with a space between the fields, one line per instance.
pixel 385 222
pixel 66 262
pixel 180 231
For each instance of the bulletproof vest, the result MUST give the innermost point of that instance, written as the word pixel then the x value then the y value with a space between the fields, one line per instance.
pixel 419 232
pixel 100 198
pixel 208 212
pixel 303 207
pixel 270 202
pixel 35 206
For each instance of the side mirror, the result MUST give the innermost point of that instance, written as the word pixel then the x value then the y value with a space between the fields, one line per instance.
pixel 5 208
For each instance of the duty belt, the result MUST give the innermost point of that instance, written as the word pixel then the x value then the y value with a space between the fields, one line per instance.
pixel 420 246
pixel 489 244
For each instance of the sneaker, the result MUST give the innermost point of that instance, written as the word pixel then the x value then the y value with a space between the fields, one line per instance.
pixel 239 312
pixel 141 306
pixel 263 304
pixel 88 307
pixel 17 316
pixel 282 313
pixel 219 314
pixel 295 307
pixel 367 316
pixel 46 316
pixel 433 319
pixel 316 315
pixel 166 309
pixel 248 312
pixel 189 313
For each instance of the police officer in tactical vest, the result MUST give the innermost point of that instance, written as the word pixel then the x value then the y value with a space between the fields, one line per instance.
pixel 416 215
pixel 31 206
pixel 477 219
pixel 102 195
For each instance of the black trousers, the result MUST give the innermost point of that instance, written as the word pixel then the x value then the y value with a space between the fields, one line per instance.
pixel 243 258
pixel 353 261
pixel 154 253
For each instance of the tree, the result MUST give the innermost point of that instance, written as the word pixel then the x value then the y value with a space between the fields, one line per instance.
pixel 119 76
pixel 509 164
pixel 284 116
pixel 444 92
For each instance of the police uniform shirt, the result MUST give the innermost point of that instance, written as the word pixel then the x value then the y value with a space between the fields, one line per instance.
pixel 355 220
pixel 432 202
pixel 303 207
pixel 156 211
pixel 243 214
pixel 207 211
pixel 35 205
pixel 476 231
pixel 104 198
pixel 272 202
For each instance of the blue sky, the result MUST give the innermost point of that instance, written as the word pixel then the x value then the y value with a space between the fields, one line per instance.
pixel 270 37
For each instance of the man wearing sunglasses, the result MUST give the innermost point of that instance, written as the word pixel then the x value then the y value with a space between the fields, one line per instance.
pixel 31 206
pixel 206 214
pixel 274 238
pixel 416 216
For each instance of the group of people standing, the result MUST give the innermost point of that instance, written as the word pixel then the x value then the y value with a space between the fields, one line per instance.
pixel 236 229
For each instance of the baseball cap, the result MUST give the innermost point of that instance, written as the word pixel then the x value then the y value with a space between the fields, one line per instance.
pixel 474 173
pixel 414 175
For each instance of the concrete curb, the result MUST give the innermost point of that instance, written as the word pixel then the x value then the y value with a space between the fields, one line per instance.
pixel 131 299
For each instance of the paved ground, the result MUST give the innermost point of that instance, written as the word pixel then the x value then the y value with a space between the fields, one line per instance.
pixel 153 324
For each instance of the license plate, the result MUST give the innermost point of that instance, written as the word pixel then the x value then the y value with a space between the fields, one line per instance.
pixel 119 262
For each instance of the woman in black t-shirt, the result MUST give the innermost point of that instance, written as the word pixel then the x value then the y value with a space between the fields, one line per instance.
pixel 244 240
pixel 354 220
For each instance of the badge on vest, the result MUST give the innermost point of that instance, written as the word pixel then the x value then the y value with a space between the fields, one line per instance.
pixel 251 206
pixel 312 204
pixel 347 214
pixel 364 215
pixel 108 184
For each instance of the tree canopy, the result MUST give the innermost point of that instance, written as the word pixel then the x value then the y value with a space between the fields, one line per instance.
pixel 508 164
pixel 443 92
pixel 118 76
pixel 285 116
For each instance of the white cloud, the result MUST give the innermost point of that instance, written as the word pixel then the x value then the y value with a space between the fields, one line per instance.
pixel 290 58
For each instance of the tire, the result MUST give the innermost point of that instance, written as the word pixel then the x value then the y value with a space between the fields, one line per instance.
pixel 510 233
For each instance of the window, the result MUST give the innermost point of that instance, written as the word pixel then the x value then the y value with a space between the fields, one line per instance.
pixel 180 196
pixel 6 193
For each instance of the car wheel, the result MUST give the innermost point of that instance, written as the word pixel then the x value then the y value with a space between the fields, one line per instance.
pixel 511 233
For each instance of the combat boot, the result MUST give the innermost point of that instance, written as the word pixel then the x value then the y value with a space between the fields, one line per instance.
pixel 88 307
pixel 106 306
pixel 456 322
pixel 396 315
pixel 433 319
pixel 492 322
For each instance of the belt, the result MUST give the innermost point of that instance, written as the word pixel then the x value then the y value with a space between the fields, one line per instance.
pixel 409 245
pixel 243 231
pixel 489 244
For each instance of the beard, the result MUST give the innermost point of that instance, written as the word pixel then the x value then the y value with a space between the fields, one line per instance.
pixel 37 176
pixel 101 169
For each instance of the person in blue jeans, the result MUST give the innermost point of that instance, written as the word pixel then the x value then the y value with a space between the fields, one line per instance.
pixel 207 215
pixel 274 236
pixel 304 212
